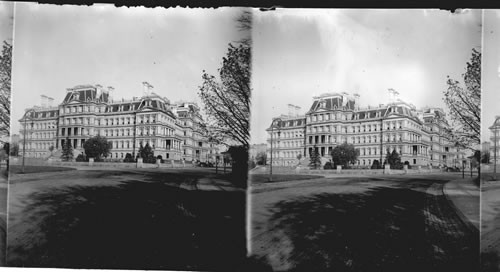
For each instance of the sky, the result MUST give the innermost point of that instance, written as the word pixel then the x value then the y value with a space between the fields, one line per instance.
pixel 59 47
pixel 6 21
pixel 298 54
pixel 490 72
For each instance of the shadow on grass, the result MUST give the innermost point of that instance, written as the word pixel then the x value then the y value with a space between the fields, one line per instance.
pixel 490 261
pixel 264 178
pixel 17 169
pixel 135 225
pixel 382 229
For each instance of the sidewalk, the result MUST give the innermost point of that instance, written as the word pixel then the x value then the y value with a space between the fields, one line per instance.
pixel 464 195
pixel 490 229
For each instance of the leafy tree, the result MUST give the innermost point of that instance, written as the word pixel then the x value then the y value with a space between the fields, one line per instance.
pixel 344 154
pixel 5 87
pixel 485 157
pixel 245 25
pixel 97 147
pixel 14 149
pixel 5 154
pixel 375 164
pixel 139 152
pixel 226 99
pixel 328 165
pixel 464 103
pixel 128 158
pixel 80 158
pixel 51 149
pixel 261 158
pixel 315 159
pixel 147 154
pixel 67 151
pixel 393 159
pixel 299 157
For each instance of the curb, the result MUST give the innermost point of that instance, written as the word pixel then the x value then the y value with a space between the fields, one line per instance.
pixel 460 214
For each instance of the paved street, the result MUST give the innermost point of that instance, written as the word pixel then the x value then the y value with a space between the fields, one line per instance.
pixel 383 223
pixel 3 213
pixel 490 223
pixel 126 219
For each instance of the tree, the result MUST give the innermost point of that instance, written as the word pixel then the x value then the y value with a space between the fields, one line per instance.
pixel 14 149
pixel 51 149
pixel 299 157
pixel 97 147
pixel 239 164
pixel 464 104
pixel 344 154
pixel 6 151
pixel 67 151
pixel 261 158
pixel 315 159
pixel 226 99
pixel 485 157
pixel 128 158
pixel 5 87
pixel 139 152
pixel 393 159
pixel 147 154
pixel 375 164
pixel 245 25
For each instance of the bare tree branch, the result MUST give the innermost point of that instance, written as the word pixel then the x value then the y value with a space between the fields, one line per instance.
pixel 5 87
pixel 464 103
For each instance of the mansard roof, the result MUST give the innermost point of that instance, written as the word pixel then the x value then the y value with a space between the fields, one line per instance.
pixel 496 123
pixel 38 113
pixel 333 102
pixel 86 93
pixel 286 121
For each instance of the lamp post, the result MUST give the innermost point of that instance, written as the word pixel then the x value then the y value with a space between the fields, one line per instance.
pixel 216 161
pixel 495 151
pixel 275 122
pixel 495 128
pixel 133 141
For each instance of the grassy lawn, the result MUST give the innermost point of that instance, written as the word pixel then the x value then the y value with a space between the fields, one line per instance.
pixel 128 220
pixel 264 178
pixel 489 176
pixel 16 169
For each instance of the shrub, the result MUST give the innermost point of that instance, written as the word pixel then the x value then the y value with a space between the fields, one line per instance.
pixel 375 164
pixel 251 164
pixel 328 165
pixel 80 158
pixel 128 158
pixel 408 164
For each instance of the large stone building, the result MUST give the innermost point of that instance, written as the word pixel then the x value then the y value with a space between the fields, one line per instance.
pixel 495 140
pixel 88 110
pixel 419 136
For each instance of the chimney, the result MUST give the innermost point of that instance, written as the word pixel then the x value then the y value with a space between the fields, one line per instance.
pixel 110 93
pixel 50 101
pixel 146 88
pixel 356 101
pixel 290 109
pixel 297 110
pixel 43 100
pixel 392 95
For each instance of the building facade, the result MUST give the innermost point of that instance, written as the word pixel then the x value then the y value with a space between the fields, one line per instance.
pixel 495 141
pixel 419 136
pixel 88 110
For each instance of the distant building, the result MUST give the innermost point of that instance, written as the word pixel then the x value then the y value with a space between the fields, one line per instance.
pixel 485 146
pixel 419 136
pixel 256 149
pixel 495 140
pixel 89 110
